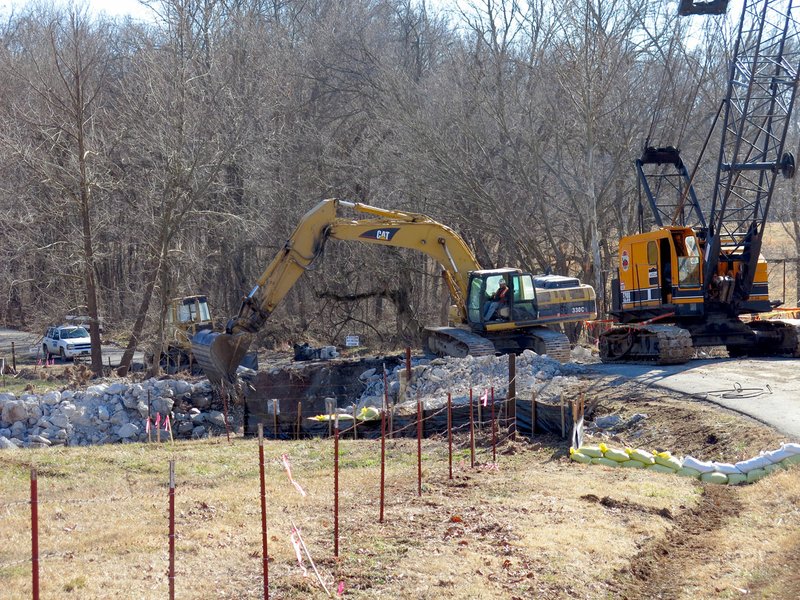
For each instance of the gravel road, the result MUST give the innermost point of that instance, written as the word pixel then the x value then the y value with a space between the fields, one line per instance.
pixel 767 390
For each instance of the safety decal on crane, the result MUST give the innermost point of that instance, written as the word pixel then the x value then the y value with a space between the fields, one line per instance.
pixel 385 234
pixel 625 260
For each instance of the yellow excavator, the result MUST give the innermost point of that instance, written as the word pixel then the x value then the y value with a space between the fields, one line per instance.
pixel 485 326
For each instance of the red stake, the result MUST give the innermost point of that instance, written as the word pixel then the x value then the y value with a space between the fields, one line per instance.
pixel 383 441
pixel 265 561
pixel 35 534
pixel 172 529
pixel 494 434
pixel 419 447
pixel 471 433
pixel 336 486
pixel 450 434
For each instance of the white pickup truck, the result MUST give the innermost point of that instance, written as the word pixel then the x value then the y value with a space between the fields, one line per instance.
pixel 67 341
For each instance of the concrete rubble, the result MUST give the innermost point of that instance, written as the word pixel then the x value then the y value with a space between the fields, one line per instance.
pixel 106 413
pixel 432 380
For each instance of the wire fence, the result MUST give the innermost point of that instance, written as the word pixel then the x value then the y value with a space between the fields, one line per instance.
pixel 159 495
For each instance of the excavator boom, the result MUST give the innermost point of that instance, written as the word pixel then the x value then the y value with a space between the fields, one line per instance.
pixel 220 353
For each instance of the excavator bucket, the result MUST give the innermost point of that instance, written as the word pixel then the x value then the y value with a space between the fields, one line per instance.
pixel 219 354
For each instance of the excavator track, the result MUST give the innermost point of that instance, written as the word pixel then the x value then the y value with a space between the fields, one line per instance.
pixel 457 342
pixel 648 344
pixel 552 343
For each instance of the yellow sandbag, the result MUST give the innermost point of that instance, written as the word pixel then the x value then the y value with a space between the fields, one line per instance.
pixel 593 451
pixel 667 460
pixel 369 413
pixel 633 464
pixel 688 472
pixel 579 457
pixel 661 469
pixel 755 475
pixel 607 462
pixel 641 456
pixel 736 479
pixel 714 477
pixel 615 454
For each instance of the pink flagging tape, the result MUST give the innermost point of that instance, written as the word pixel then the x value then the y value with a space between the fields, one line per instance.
pixel 288 467
pixel 147 426
pixel 485 397
pixel 296 545
pixel 167 424
pixel 340 589
pixel 158 420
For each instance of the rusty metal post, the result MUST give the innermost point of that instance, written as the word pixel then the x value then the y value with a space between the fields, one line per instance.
pixel 14 356
pixel 264 555
pixel 450 434
pixel 533 413
pixel 419 447
pixel 34 534
pixel 172 529
pixel 512 395
pixel 471 433
pixel 355 423
pixel 336 487
pixel 494 432
pixel 383 444
pixel 149 414
pixel 408 365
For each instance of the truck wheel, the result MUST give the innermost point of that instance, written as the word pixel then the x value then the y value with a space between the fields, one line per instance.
pixel 45 352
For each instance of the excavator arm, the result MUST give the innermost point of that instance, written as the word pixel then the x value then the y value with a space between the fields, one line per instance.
pixel 220 354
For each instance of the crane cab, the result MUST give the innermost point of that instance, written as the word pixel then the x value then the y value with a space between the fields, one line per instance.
pixel 660 272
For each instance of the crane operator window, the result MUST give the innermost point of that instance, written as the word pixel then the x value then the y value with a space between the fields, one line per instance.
pixel 689 265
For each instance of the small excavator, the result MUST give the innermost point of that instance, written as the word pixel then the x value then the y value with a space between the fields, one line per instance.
pixel 482 328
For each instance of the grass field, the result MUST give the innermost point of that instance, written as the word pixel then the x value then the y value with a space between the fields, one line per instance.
pixel 537 526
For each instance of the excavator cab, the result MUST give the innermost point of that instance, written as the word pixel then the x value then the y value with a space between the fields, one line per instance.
pixel 498 296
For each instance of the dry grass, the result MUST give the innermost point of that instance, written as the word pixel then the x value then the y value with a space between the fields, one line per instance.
pixel 539 526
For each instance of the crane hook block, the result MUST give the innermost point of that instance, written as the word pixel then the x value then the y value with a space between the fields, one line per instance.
pixel 714 7
pixel 787 165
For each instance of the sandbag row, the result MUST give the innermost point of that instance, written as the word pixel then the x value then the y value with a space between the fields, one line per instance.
pixel 745 471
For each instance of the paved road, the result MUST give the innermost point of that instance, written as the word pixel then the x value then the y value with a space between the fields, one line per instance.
pixel 24 342
pixel 766 389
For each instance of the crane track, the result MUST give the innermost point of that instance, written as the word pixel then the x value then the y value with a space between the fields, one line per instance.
pixel 556 345
pixel 650 344
pixel 454 341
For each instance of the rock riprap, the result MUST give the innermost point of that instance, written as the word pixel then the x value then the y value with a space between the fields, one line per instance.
pixel 106 413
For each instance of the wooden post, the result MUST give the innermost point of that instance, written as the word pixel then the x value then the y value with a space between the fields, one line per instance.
pixel 13 358
pixel 450 434
pixel 480 413
pixel 533 413
pixel 225 411
pixel 172 529
pixel 299 419
pixel 512 395
pixel 35 534
pixel 563 423
pixel 355 423
pixel 264 555
pixel 274 419
pixel 471 433
pixel 494 434
pixel 330 409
